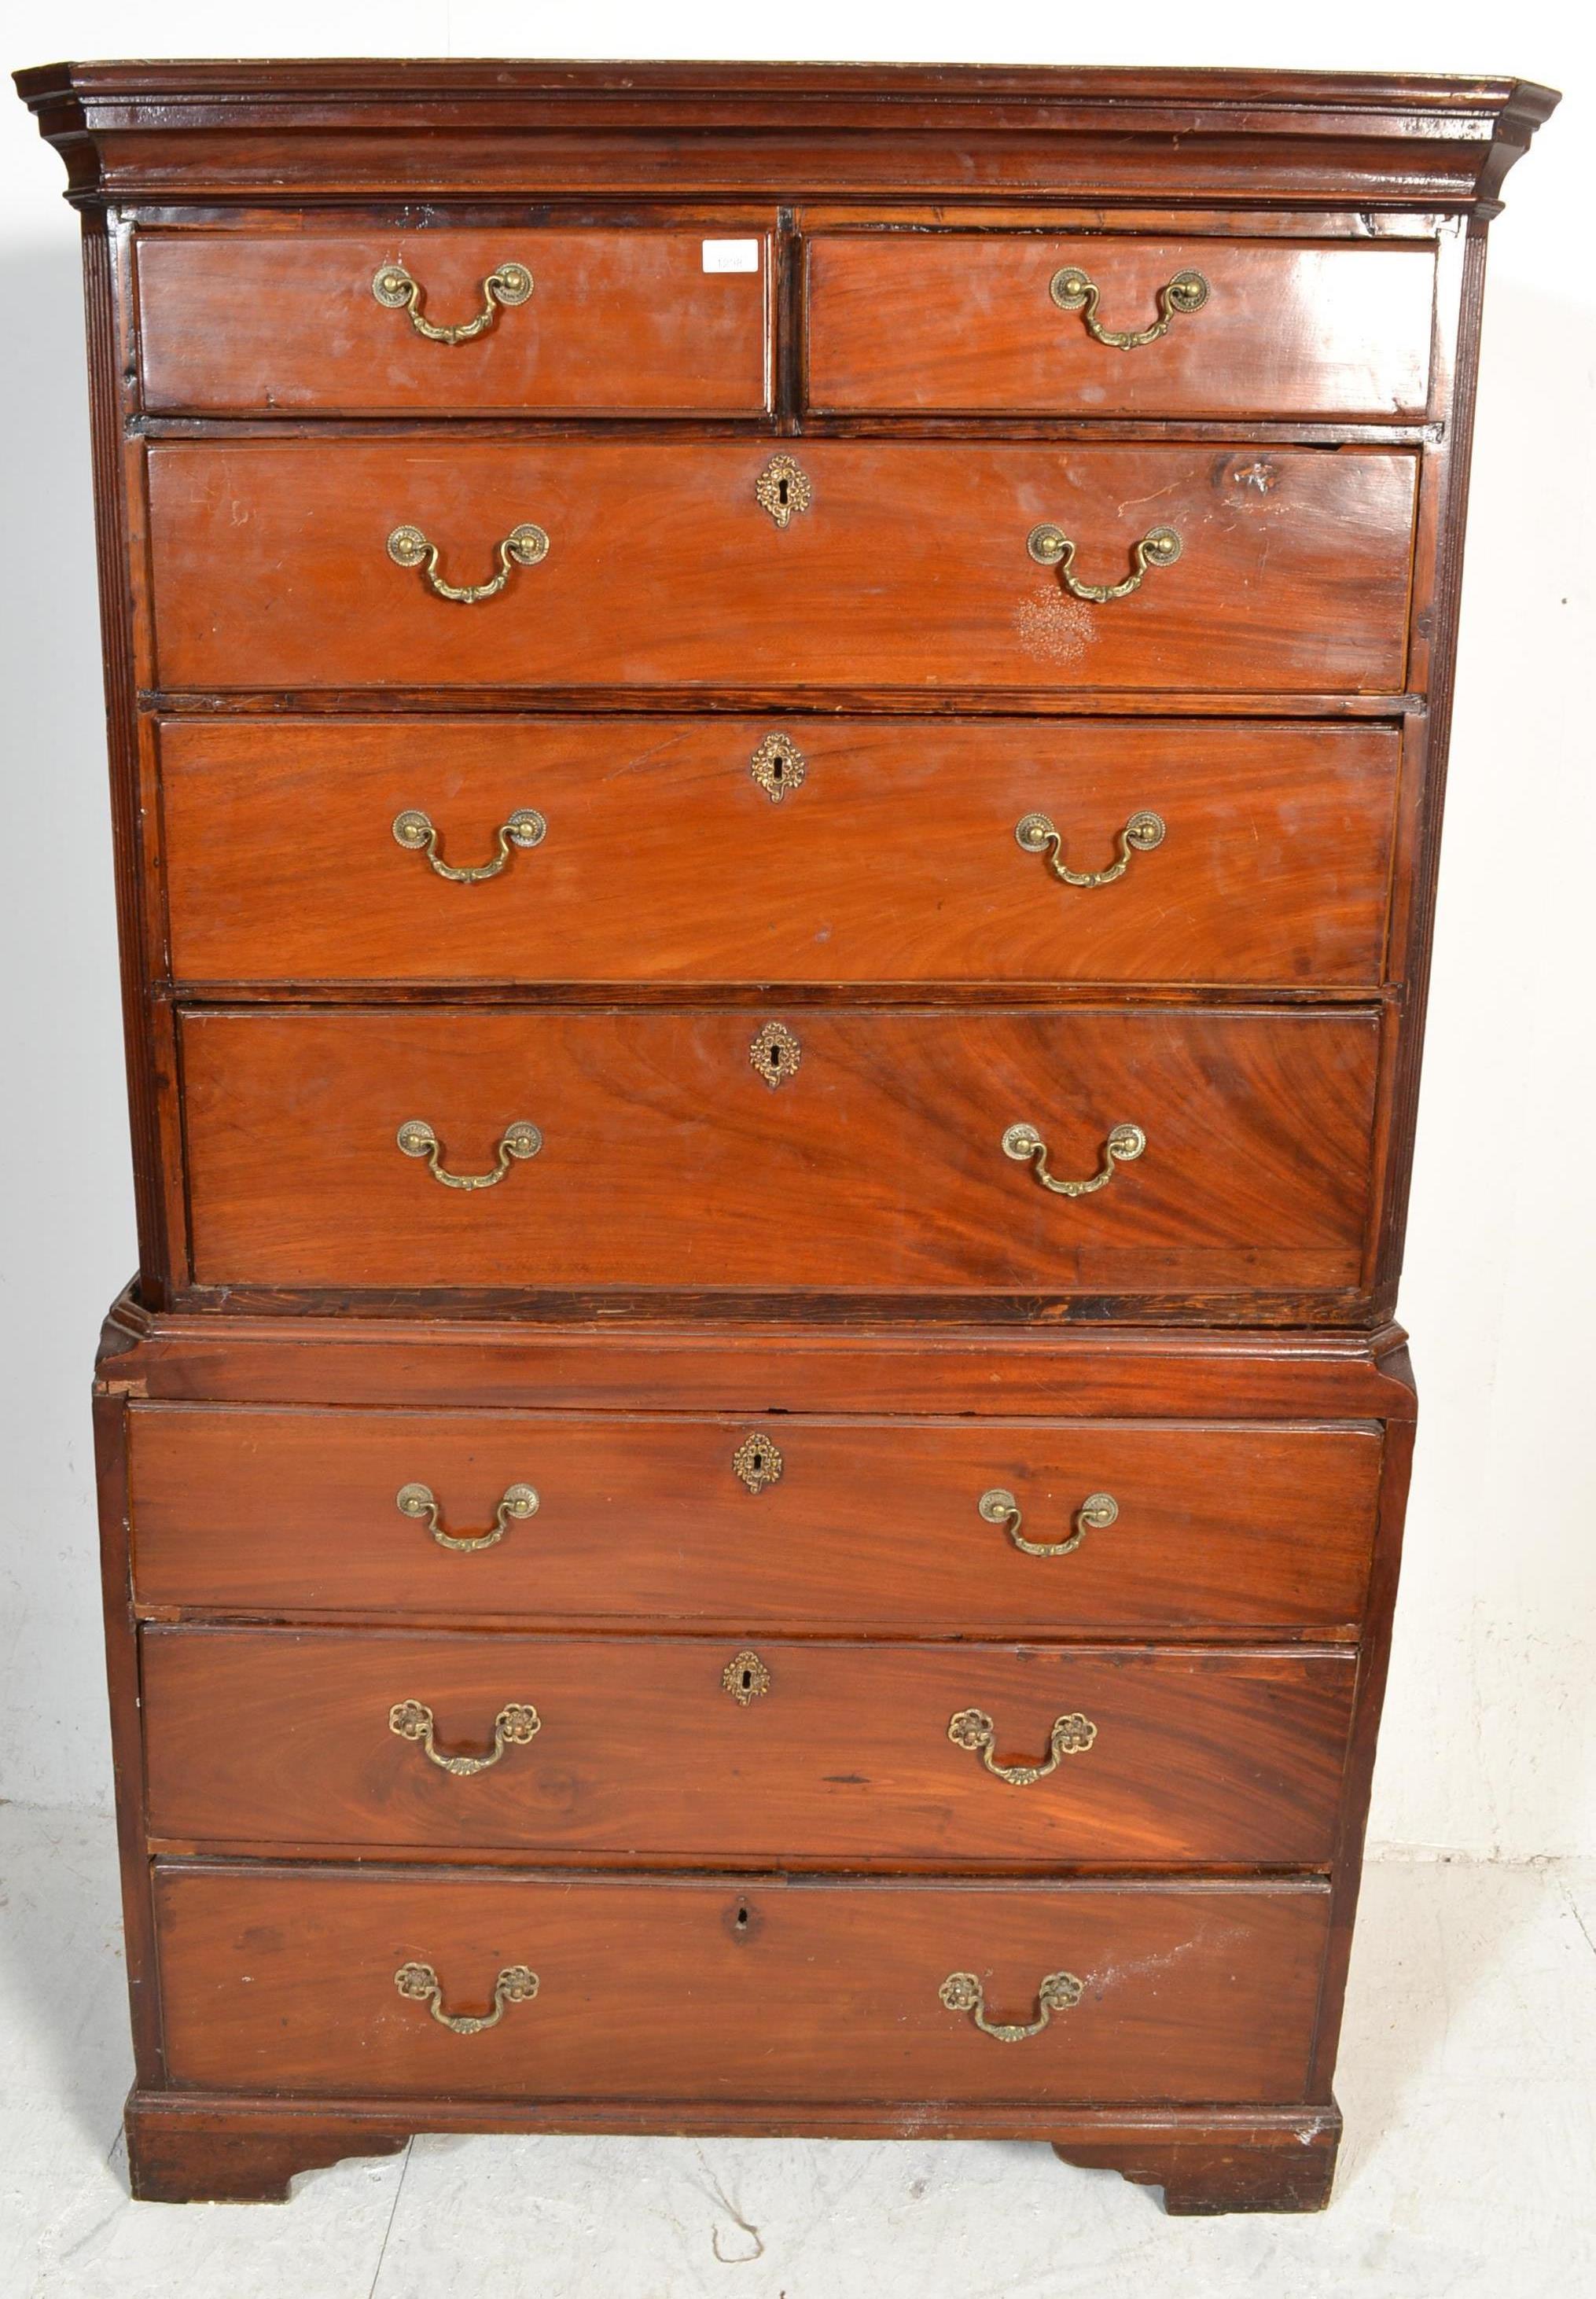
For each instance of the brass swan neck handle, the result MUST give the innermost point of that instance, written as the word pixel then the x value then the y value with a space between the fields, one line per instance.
pixel 519 1503
pixel 519 1140
pixel 1025 1146
pixel 1049 546
pixel 1060 1991
pixel 523 546
pixel 1095 1514
pixel 517 1723
pixel 419 1983
pixel 1074 290
pixel 396 291
pixel 974 1730
pixel 1035 834
pixel 413 830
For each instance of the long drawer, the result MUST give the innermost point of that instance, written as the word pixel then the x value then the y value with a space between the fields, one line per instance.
pixel 701 1749
pixel 584 321
pixel 1001 322
pixel 778 850
pixel 777 1521
pixel 910 566
pixel 828 1150
pixel 274 1979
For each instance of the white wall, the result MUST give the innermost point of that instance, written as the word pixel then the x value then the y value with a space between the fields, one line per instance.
pixel 1489 1739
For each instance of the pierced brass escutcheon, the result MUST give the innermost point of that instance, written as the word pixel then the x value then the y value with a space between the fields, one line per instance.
pixel 1025 1146
pixel 520 1502
pixel 745 1677
pixel 961 1991
pixel 418 1983
pixel 1035 833
pixel 396 291
pixel 783 489
pixel 523 546
pixel 778 766
pixel 516 1724
pixel 775 1053
pixel 757 1461
pixel 414 831
pixel 521 1140
pixel 973 1729
pixel 1049 546
pixel 1074 290
pixel 1095 1514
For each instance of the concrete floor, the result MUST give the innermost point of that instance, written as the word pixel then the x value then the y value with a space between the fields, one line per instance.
pixel 1468 2082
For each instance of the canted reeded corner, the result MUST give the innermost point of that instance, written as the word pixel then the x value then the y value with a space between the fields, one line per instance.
pixel 972 1464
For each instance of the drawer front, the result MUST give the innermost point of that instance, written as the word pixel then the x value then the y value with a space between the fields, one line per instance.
pixel 910 568
pixel 901 321
pixel 764 1520
pixel 629 322
pixel 704 1749
pixel 875 1161
pixel 777 849
pixel 273 1979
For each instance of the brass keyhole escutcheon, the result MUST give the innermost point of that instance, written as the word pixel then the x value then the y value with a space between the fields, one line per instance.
pixel 746 1678
pixel 783 489
pixel 757 1461
pixel 775 1053
pixel 778 766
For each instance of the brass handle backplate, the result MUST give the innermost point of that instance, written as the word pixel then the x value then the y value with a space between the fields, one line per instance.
pixel 1060 1991
pixel 523 546
pixel 520 1502
pixel 516 1724
pixel 973 1729
pixel 521 1140
pixel 1074 290
pixel 1035 833
pixel 396 291
pixel 1049 546
pixel 1094 1515
pixel 418 1983
pixel 525 827
pixel 1025 1146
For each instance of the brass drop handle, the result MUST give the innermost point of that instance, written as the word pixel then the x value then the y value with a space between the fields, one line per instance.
pixel 961 1991
pixel 516 1724
pixel 973 1729
pixel 1049 546
pixel 414 831
pixel 418 1983
pixel 520 1502
pixel 523 546
pixel 417 1139
pixel 1025 1146
pixel 396 291
pixel 1035 833
pixel 1074 290
pixel 1095 1514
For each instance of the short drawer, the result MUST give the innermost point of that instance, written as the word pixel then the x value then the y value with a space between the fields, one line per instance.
pixel 275 1979
pixel 818 1150
pixel 760 1522
pixel 910 568
pixel 577 321
pixel 780 850
pixel 1009 323
pixel 705 1750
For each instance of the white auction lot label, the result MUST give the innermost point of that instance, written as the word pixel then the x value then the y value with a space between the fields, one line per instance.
pixel 731 255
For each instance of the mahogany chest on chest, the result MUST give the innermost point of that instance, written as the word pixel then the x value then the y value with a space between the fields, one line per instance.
pixel 777 737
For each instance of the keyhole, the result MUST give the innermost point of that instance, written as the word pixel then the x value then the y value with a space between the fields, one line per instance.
pixel 747 1680
pixel 742 1919
pixel 781 490
pixel 758 1463
pixel 776 771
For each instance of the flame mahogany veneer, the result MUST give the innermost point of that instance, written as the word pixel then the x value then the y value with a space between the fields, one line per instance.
pixel 765 1619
